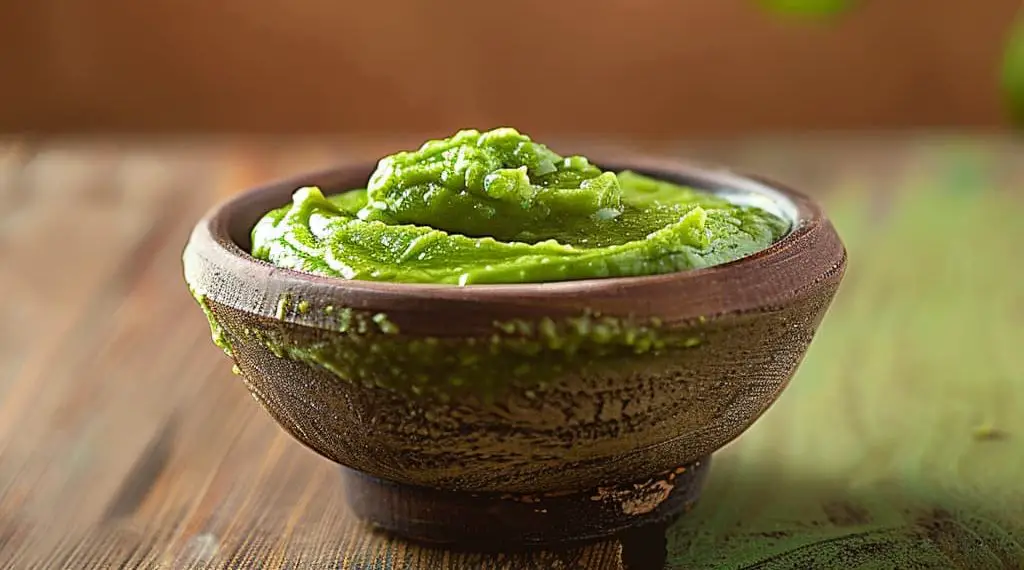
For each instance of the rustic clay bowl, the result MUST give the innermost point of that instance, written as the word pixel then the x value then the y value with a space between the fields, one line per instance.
pixel 523 443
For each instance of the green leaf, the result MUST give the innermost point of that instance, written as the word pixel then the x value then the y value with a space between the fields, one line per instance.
pixel 811 8
pixel 1013 73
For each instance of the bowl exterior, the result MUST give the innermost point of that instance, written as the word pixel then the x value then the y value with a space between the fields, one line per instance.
pixel 519 389
pixel 610 419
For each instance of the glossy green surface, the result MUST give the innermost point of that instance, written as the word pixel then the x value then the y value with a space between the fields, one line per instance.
pixel 496 207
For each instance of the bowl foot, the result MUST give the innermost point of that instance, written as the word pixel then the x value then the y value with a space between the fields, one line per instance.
pixel 489 521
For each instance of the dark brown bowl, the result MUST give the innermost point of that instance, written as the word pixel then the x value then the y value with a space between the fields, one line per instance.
pixel 460 412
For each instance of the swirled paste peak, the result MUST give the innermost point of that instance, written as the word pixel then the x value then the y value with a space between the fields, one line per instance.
pixel 496 207
pixel 495 183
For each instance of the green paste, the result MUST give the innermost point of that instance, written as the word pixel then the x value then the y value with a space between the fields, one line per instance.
pixel 490 207
pixel 496 207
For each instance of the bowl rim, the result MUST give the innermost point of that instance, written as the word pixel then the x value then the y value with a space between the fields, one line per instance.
pixel 219 268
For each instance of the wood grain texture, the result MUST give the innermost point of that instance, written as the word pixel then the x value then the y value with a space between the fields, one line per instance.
pixel 125 442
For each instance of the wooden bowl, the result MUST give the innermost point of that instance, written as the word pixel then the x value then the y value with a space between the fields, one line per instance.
pixel 526 413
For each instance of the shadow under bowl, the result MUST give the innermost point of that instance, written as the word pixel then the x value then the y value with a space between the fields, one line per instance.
pixel 525 414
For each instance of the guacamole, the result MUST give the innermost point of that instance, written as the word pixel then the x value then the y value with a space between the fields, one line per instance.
pixel 497 207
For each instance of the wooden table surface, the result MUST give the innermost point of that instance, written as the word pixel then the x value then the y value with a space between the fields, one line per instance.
pixel 126 442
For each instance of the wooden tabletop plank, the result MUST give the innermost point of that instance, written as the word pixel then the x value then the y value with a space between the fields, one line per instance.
pixel 126 442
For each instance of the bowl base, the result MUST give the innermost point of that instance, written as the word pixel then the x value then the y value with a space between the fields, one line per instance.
pixel 502 521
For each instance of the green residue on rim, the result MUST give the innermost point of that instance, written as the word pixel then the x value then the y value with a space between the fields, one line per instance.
pixel 569 334
pixel 216 330
pixel 385 325
pixel 282 305
pixel 343 319
pixel 373 352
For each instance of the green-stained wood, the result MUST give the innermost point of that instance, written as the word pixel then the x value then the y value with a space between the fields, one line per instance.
pixel 125 442
pixel 900 442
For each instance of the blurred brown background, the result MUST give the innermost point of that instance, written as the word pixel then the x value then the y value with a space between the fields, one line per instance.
pixel 126 443
pixel 644 67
